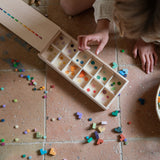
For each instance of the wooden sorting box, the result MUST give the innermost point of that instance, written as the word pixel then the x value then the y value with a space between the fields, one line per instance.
pixel 84 70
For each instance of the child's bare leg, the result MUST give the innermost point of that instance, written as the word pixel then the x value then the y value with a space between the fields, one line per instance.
pixel 73 7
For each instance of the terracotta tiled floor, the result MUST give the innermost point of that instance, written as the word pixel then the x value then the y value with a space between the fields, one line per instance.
pixel 67 136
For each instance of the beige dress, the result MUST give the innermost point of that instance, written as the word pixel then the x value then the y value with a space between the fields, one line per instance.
pixel 103 9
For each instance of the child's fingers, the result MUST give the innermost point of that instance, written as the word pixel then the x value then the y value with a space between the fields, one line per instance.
pixel 151 62
pixel 155 58
pixel 79 42
pixel 100 47
pixel 135 52
pixel 147 64
pixel 82 41
pixel 143 61
pixel 85 42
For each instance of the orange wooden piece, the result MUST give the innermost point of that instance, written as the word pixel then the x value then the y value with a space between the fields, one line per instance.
pixel 158 99
pixel 122 137
pixel 73 68
pixel 100 141
pixel 52 152
pixel 82 74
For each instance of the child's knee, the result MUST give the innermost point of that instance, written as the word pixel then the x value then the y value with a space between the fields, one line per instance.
pixel 67 7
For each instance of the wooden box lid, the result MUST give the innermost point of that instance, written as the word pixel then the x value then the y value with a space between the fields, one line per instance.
pixel 27 23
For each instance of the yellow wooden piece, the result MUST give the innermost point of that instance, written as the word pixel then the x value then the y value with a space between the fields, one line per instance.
pixel 101 129
pixel 52 152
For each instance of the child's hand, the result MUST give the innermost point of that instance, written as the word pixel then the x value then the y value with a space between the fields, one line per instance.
pixel 147 55
pixel 100 37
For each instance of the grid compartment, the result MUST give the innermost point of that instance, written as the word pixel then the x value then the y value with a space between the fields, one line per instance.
pixel 92 67
pixel 61 41
pixel 104 97
pixel 50 54
pixel 115 84
pixel 103 75
pixel 70 50
pixel 60 62
pixel 82 58
pixel 82 79
pixel 71 70
pixel 93 88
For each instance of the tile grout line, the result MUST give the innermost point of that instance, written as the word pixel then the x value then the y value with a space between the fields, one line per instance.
pixel 118 99
pixel 80 141
pixel 45 109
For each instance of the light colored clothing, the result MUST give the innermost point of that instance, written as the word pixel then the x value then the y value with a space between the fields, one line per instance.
pixel 103 9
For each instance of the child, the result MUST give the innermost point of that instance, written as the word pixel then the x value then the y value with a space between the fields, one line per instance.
pixel 136 19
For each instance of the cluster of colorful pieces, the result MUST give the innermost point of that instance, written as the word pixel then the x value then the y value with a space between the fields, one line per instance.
pixel 2 142
pixel 38 135
pixel 24 155
pixel 51 152
pixel 94 66
pixel 99 130
pixel 103 78
pixel 72 69
pixel 92 88
pixel 80 61
pixel 61 41
pixel 159 99
pixel 123 72
pixel 113 85
pixel 18 21
pixel 105 92
pixel 16 64
pixel 34 83
pixel 71 49
pixel 123 139
pixel 83 75
pixel 118 129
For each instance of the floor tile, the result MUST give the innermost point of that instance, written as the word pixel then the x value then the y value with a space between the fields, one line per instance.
pixel 27 113
pixel 64 101
pixel 143 118
pixel 142 149
pixel 107 150
pixel 126 57
pixel 9 152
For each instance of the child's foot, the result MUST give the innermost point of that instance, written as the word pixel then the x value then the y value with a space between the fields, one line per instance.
pixel 147 55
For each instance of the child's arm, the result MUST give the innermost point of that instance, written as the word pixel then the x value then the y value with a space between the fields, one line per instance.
pixel 100 36
pixel 103 10
pixel 147 54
